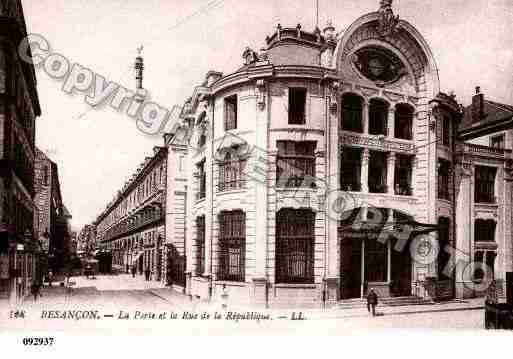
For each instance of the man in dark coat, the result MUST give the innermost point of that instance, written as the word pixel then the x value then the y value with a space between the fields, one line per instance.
pixel 133 271
pixel 372 301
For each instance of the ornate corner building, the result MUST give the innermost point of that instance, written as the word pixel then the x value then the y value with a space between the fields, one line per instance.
pixel 329 163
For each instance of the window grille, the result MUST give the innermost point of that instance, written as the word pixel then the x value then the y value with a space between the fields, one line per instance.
pixel 295 241
pixel 295 165
pixel 232 246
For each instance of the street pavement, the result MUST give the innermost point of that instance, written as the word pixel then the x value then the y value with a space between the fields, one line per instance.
pixel 126 303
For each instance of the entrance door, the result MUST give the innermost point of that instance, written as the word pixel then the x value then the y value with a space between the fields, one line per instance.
pixel 351 257
pixel 401 272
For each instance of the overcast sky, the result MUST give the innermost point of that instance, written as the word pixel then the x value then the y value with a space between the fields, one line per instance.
pixel 97 150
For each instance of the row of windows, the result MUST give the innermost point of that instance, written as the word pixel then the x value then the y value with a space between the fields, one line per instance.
pixel 352 117
pixel 351 165
pixel 295 240
pixel 296 109
pixel 150 184
pixel 295 167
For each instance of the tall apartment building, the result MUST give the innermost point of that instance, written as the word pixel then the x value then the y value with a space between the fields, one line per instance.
pixel 19 106
pixel 132 225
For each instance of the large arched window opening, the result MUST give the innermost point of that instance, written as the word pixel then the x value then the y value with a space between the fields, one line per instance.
pixel 378 117
pixel 352 106
pixel 295 243
pixel 403 122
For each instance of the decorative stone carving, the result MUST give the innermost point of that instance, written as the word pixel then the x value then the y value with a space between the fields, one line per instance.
pixel 334 96
pixel 378 143
pixel 387 22
pixel 261 90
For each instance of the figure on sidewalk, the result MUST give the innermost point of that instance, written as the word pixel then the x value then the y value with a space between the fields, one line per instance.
pixel 372 301
pixel 35 288
pixel 133 271
pixel 147 274
pixel 50 278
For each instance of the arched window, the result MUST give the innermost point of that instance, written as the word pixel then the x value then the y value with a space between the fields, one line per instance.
pixel 378 117
pixel 403 122
pixel 352 106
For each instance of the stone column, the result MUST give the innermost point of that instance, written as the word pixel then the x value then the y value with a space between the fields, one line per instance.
pixel 390 220
pixel 333 171
pixel 391 172
pixel 365 117
pixel 464 223
pixel 414 164
pixel 362 270
pixel 260 160
pixel 364 174
pixel 391 122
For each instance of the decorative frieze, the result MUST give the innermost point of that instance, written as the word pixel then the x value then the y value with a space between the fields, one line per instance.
pixel 378 143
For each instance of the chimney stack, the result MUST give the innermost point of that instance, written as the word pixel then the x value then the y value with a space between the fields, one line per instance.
pixel 477 105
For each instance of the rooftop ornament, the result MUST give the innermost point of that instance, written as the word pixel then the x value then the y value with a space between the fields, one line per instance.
pixel 387 20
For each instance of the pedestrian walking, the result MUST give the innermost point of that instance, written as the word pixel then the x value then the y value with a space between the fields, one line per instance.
pixel 133 271
pixel 147 274
pixel 35 289
pixel 372 301
pixel 50 278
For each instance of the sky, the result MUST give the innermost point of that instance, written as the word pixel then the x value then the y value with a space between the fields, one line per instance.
pixel 97 150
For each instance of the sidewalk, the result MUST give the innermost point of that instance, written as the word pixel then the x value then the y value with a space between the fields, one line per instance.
pixel 185 302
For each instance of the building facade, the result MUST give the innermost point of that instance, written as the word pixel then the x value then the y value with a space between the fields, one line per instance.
pixel 19 106
pixel 52 217
pixel 132 225
pixel 86 240
pixel 330 163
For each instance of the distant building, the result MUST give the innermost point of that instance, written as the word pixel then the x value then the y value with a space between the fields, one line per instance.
pixel 52 217
pixel 19 107
pixel 132 225
pixel 86 239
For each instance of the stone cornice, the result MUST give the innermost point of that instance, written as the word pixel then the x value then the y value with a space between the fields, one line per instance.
pixel 268 70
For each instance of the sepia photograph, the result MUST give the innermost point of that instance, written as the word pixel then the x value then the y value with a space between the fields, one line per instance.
pixel 255 167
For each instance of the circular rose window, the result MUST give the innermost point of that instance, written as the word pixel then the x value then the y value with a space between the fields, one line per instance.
pixel 379 65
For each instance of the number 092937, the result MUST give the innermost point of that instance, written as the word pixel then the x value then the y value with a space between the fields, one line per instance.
pixel 36 341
